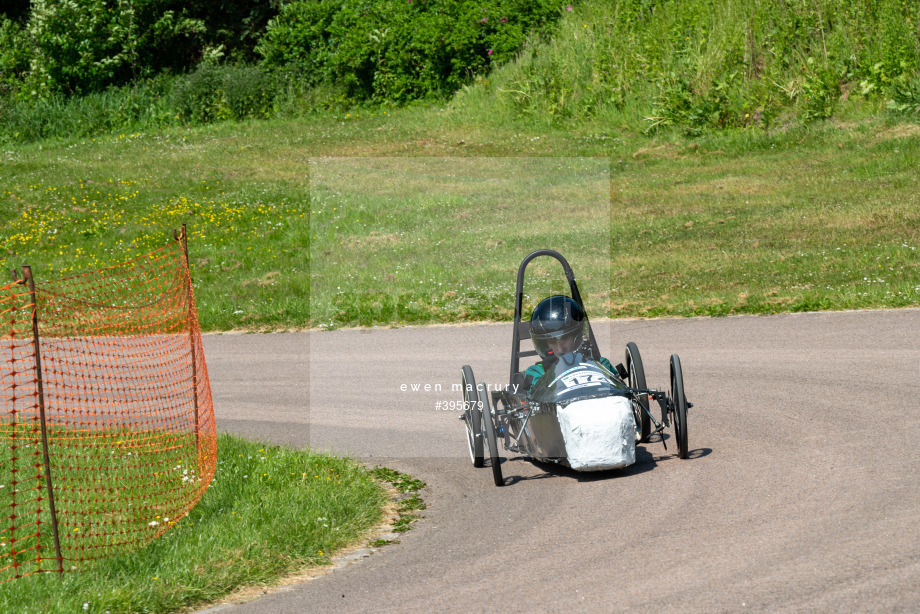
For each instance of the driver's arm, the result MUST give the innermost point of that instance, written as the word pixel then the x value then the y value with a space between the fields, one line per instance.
pixel 532 376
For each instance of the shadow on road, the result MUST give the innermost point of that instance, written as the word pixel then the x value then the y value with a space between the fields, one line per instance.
pixel 671 452
pixel 645 461
pixel 514 479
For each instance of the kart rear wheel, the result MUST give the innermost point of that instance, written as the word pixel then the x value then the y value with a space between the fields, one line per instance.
pixel 488 425
pixel 640 402
pixel 472 415
pixel 679 401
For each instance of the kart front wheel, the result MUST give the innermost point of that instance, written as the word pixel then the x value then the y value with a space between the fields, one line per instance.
pixel 640 402
pixel 680 406
pixel 488 424
pixel 472 415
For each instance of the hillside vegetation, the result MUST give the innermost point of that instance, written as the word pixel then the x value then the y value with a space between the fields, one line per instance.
pixel 673 152
pixel 79 68
pixel 710 64
pixel 74 69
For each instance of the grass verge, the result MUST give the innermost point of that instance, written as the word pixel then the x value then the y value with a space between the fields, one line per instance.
pixel 824 217
pixel 115 490
pixel 270 511
pixel 303 223
pixel 100 202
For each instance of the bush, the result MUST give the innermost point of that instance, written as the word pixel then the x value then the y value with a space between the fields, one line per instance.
pixel 297 39
pixel 14 56
pixel 235 27
pixel 401 50
pixel 224 92
pixel 83 46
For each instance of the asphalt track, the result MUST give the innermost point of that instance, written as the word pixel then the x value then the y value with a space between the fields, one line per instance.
pixel 800 494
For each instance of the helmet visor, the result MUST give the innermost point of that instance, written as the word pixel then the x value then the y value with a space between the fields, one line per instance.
pixel 559 342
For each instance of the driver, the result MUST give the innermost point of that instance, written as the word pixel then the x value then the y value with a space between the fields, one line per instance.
pixel 558 326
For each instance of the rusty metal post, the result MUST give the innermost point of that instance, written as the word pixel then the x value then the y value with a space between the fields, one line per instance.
pixel 27 278
pixel 183 237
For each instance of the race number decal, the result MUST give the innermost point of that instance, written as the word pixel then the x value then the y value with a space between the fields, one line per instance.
pixel 582 379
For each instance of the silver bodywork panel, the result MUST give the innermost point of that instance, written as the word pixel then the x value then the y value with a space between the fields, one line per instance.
pixel 578 414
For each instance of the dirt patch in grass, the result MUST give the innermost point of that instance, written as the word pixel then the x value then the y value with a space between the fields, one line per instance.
pixel 666 151
pixel 903 131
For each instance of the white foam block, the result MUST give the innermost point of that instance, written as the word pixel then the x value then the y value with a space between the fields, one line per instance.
pixel 599 434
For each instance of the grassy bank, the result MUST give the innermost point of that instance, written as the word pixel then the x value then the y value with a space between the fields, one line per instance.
pixel 704 65
pixel 637 65
pixel 821 218
pixel 783 227
pixel 762 161
pixel 269 512
pixel 428 218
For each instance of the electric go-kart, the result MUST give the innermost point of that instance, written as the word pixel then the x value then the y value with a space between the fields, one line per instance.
pixel 578 413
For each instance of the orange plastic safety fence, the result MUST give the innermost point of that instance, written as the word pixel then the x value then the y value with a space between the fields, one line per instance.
pixel 128 412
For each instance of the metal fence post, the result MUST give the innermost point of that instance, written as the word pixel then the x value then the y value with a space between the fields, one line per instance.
pixel 27 278
pixel 183 237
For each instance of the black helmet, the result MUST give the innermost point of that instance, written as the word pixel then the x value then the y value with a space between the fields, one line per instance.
pixel 557 320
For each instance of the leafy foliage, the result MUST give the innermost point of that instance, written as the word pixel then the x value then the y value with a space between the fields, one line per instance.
pixel 83 46
pixel 906 95
pixel 224 92
pixel 402 50
pixel 14 55
pixel 233 26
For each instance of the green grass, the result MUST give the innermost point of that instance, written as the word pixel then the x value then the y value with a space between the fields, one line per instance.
pixel 381 216
pixel 700 229
pixel 437 239
pixel 409 504
pixel 94 203
pixel 434 214
pixel 702 65
pixel 269 512
pixel 114 491
pixel 751 221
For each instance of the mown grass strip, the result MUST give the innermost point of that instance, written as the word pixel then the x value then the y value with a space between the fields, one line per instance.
pixel 269 512
pixel 746 221
pixel 700 231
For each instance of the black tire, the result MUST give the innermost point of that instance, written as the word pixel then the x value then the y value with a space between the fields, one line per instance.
pixel 636 377
pixel 491 440
pixel 679 399
pixel 472 415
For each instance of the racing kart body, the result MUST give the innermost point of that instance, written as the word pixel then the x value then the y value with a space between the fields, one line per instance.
pixel 578 413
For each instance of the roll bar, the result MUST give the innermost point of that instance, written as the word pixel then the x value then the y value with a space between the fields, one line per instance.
pixel 524 327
